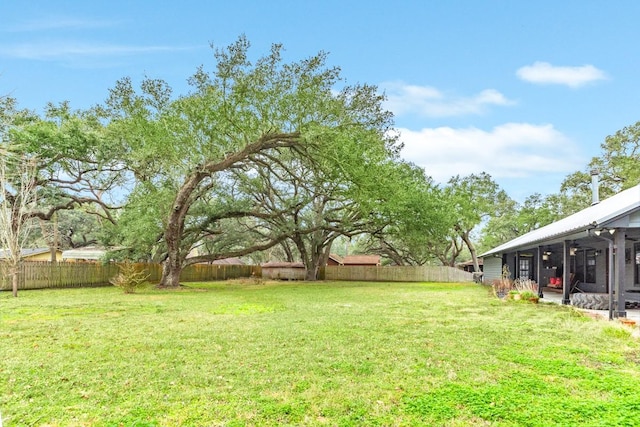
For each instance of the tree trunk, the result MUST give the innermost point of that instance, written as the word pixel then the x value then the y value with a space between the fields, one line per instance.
pixel 170 273
pixel 311 273
pixel 310 258
pixel 313 267
pixel 472 250
pixel 15 277
pixel 172 266
pixel 173 233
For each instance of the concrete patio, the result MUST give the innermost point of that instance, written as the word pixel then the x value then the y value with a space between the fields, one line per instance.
pixel 633 314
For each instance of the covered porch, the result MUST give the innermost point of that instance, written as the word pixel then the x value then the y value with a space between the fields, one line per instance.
pixel 595 251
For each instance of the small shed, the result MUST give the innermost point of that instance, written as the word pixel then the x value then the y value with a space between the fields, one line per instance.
pixel 283 271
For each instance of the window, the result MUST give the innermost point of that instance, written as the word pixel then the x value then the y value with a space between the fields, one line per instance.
pixel 590 267
pixel 525 268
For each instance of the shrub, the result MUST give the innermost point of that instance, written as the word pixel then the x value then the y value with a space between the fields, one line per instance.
pixel 129 279
pixel 529 295
pixel 522 284
pixel 519 289
pixel 504 284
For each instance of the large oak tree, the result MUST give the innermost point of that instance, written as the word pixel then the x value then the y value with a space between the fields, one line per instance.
pixel 183 150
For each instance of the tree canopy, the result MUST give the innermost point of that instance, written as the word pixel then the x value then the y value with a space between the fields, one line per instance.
pixel 246 132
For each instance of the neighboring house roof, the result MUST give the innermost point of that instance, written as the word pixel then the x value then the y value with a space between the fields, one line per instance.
pixel 278 264
pixel 361 259
pixel 24 253
pixel 336 258
pixel 596 216
pixel 228 261
pixel 88 253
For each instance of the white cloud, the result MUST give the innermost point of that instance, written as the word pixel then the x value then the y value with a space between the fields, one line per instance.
pixel 430 102
pixel 60 23
pixel 67 50
pixel 545 73
pixel 512 150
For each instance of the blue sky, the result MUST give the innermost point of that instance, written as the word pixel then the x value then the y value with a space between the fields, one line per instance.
pixel 524 90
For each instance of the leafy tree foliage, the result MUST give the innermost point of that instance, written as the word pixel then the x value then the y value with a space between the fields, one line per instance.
pixel 618 167
pixel 414 217
pixel 73 158
pixel 190 154
pixel 474 199
pixel 61 161
pixel 619 164
pixel 335 190
pixel 517 219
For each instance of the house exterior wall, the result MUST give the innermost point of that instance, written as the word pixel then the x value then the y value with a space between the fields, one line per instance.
pixel 601 275
pixel 43 257
pixel 630 264
pixel 511 263
pixel 547 274
pixel 492 269
pixel 629 272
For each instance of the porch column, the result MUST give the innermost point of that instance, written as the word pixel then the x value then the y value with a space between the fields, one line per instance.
pixel 566 272
pixel 610 277
pixel 539 271
pixel 620 276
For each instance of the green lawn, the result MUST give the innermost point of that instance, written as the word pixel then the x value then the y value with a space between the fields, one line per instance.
pixel 334 354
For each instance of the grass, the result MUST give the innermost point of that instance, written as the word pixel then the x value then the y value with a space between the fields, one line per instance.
pixel 338 354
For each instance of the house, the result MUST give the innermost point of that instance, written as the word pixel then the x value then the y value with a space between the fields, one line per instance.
pixel 354 260
pixel 594 251
pixel 361 260
pixel 88 253
pixel 35 254
pixel 334 260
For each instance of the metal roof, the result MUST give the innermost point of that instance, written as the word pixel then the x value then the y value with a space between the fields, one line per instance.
pixel 87 253
pixel 595 216
pixel 4 253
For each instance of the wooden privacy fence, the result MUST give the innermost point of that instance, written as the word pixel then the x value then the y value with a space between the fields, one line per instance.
pixel 397 274
pixel 41 275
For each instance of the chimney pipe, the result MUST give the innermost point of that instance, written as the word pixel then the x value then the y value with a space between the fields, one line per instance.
pixel 595 186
